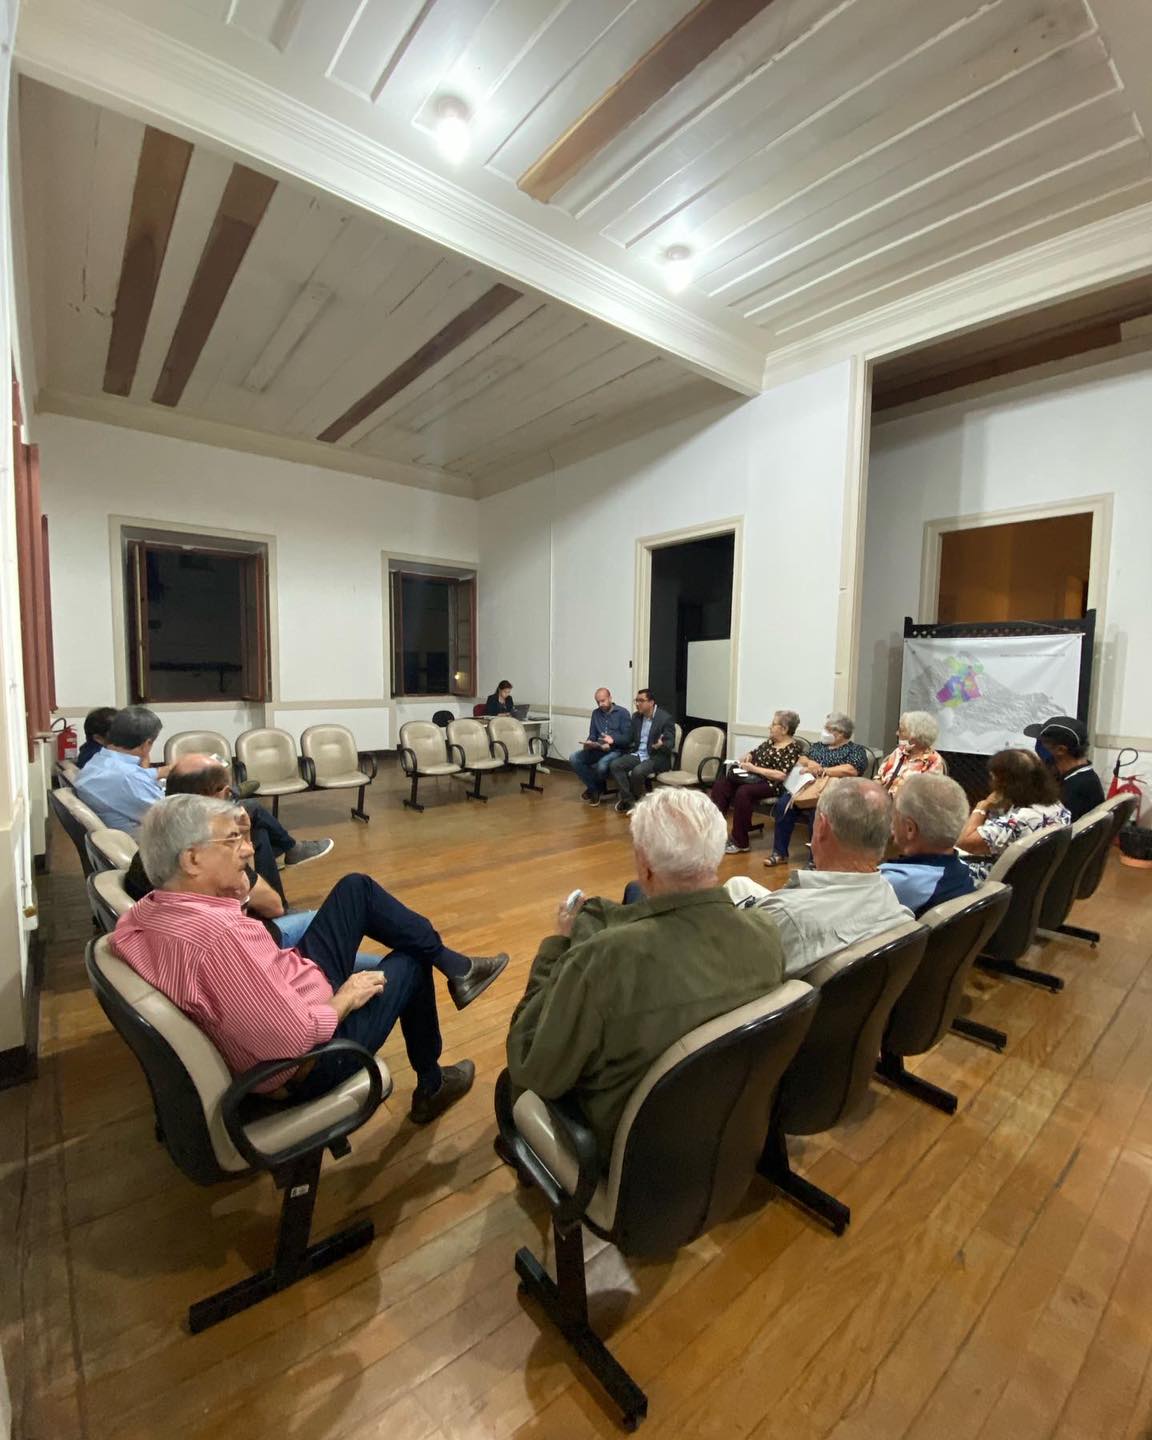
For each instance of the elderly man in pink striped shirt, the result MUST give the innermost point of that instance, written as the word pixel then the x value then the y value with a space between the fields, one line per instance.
pixel 191 939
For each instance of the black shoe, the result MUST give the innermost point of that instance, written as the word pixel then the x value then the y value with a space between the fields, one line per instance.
pixel 485 968
pixel 455 1082
pixel 623 806
pixel 594 800
pixel 586 795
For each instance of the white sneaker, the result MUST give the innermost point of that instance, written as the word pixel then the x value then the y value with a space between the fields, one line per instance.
pixel 733 849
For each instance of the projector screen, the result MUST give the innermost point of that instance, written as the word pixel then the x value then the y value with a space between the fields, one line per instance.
pixel 983 690
pixel 709 671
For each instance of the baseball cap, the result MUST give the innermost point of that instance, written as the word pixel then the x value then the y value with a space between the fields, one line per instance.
pixel 1064 729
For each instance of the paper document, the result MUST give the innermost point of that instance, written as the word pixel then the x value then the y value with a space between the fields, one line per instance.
pixel 797 778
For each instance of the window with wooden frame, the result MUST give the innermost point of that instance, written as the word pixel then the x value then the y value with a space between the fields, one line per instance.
pixel 433 631
pixel 197 618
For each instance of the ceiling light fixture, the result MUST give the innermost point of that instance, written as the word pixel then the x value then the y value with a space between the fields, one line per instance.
pixel 453 135
pixel 677 268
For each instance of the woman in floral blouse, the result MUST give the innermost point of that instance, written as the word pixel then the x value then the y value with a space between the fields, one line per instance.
pixel 1024 798
pixel 766 767
pixel 914 755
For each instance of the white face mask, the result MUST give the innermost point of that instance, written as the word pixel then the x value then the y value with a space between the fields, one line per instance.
pixel 826 737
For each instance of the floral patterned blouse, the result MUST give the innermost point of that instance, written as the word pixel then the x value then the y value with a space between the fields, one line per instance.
pixel 897 767
pixel 999 831
pixel 769 757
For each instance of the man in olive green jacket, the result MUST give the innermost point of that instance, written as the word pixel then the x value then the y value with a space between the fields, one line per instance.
pixel 618 984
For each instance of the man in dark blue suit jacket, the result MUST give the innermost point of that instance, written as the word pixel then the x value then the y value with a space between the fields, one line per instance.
pixel 651 750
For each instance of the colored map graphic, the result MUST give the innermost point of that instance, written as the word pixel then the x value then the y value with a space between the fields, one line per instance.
pixel 961 685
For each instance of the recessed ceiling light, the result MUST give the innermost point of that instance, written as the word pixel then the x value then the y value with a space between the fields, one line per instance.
pixel 453 135
pixel 678 268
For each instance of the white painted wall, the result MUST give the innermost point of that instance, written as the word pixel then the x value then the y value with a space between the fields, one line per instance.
pixel 328 534
pixel 1083 434
pixel 558 555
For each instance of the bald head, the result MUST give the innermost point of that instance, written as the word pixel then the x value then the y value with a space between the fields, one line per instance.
pixel 198 775
pixel 852 826
pixel 603 698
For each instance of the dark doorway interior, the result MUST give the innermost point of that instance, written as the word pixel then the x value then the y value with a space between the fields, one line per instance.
pixel 691 600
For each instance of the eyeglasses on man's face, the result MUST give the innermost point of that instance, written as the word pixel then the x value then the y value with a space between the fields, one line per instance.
pixel 234 840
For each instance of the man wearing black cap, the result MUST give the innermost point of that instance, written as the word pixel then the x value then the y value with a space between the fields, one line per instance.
pixel 1061 743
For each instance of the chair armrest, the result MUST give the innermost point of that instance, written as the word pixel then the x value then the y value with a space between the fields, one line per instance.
pixel 366 757
pixel 244 1085
pixel 239 770
pixel 538 745
pixel 500 745
pixel 573 1127
pixel 708 760
pixel 455 751
pixel 408 762
pixel 308 770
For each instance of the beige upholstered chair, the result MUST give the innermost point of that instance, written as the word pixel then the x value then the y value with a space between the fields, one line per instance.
pixel 331 761
pixel 68 771
pixel 931 1002
pixel 424 751
pixel 77 820
pixel 214 1129
pixel 510 739
pixel 110 849
pixel 829 1077
pixel 197 742
pixel 473 751
pixel 699 758
pixel 1028 866
pixel 107 898
pixel 684 1155
pixel 269 756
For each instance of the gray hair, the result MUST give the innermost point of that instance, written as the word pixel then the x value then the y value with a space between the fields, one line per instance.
pixel 937 806
pixel 174 825
pixel 789 719
pixel 920 727
pixel 680 833
pixel 133 726
pixel 844 723
pixel 860 814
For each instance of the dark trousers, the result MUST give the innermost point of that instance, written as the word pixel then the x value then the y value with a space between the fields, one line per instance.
pixel 630 773
pixel 269 839
pixel 786 823
pixel 357 909
pixel 742 796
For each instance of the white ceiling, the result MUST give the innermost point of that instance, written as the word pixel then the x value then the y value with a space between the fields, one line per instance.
pixel 828 161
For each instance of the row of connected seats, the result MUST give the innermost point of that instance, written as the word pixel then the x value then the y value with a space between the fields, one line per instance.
pixel 719 1105
pixel 465 747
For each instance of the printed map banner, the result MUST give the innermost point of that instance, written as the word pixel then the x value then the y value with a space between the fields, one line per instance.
pixel 984 691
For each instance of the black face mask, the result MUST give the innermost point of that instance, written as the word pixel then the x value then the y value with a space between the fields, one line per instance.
pixel 1044 753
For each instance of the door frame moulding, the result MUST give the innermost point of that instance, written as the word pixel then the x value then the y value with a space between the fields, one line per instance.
pixel 1098 506
pixel 642 605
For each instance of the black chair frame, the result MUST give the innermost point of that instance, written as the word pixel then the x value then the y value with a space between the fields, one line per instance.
pixel 364 758
pixel 537 747
pixel 75 831
pixel 180 1127
pixel 456 753
pixel 997 964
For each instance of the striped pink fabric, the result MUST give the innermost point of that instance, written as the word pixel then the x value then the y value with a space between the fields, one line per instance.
pixel 255 1001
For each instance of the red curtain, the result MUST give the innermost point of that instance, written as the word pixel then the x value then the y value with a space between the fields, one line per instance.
pixel 35 590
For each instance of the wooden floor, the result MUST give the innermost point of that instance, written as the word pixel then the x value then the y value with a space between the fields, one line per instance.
pixel 996 1280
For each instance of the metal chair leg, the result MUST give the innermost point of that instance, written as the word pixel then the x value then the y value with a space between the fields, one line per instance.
pixel 474 793
pixel 411 803
pixel 1020 972
pixel 891 1069
pixel 531 785
pixel 359 813
pixel 984 1034
pixel 775 1166
pixel 1079 933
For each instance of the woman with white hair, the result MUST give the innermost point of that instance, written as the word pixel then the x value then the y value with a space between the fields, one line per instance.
pixel 914 754
pixel 834 756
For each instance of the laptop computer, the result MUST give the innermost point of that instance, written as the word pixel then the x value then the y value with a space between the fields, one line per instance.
pixel 520 712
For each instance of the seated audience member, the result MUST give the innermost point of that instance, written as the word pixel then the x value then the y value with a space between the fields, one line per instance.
pixel 119 783
pixel 615 985
pixel 500 702
pixel 833 755
pixel 651 745
pixel 844 898
pixel 256 1001
pixel 609 735
pixel 1024 799
pixel 260 899
pixel 914 755
pixel 931 811
pixel 1061 743
pixel 96 724
pixel 766 768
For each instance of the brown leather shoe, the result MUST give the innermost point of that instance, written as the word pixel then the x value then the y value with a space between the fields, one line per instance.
pixel 485 968
pixel 455 1082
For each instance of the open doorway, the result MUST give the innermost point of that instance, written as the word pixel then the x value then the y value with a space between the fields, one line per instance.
pixel 690 628
pixel 1025 570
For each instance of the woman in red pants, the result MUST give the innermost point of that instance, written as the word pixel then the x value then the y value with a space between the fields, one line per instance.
pixel 764 770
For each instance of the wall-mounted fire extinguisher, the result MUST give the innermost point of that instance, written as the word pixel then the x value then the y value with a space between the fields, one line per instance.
pixel 67 741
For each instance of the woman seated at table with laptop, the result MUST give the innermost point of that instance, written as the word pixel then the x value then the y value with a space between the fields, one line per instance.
pixel 757 776
pixel 500 701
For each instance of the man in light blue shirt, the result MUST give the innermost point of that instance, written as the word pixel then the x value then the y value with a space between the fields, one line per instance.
pixel 118 783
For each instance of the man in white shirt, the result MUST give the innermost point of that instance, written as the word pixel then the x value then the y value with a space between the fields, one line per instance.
pixel 844 898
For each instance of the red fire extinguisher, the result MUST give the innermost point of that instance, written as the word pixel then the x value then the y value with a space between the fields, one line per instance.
pixel 67 741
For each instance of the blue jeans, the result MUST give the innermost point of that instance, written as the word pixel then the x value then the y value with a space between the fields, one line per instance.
pixel 358 908
pixel 592 768
pixel 786 823
pixel 292 927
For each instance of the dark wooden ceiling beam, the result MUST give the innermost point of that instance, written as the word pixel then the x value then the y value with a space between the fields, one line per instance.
pixel 458 329
pixel 674 56
pixel 160 173
pixel 240 211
